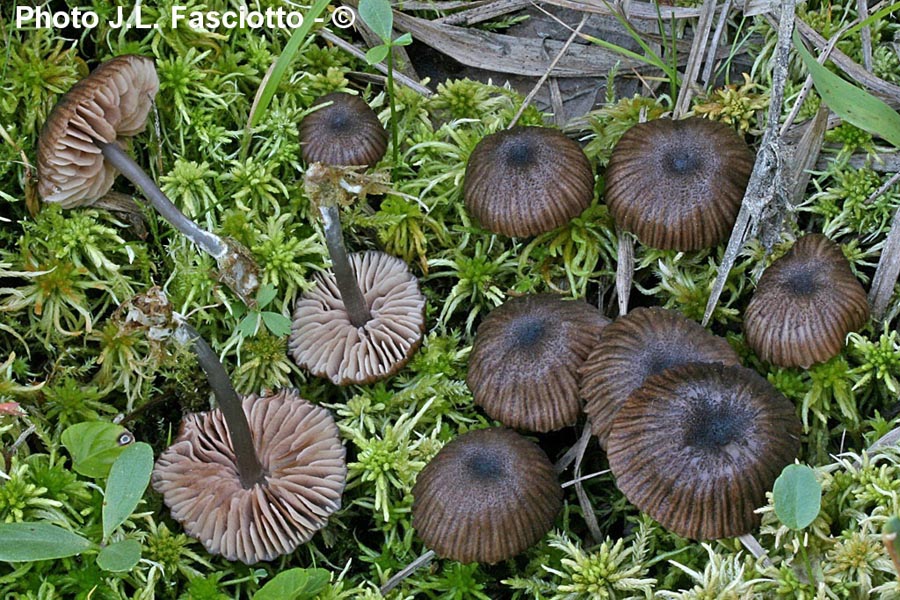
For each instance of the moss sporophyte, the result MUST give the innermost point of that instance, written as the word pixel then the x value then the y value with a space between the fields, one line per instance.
pixel 360 418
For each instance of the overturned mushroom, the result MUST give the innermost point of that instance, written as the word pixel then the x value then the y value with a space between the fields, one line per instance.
pixel 805 305
pixel 258 476
pixel 678 185
pixel 80 150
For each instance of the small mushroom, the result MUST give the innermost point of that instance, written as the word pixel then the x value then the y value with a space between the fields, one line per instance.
pixel 345 131
pixel 642 343
pixel 527 180
pixel 524 365
pixel 81 148
pixel 805 304
pixel 698 446
pixel 486 496
pixel 325 338
pixel 258 476
pixel 678 185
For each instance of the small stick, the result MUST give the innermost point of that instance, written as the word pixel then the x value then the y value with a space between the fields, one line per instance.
pixel 408 570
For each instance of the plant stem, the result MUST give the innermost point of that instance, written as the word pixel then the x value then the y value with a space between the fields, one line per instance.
pixel 354 302
pixel 809 571
pixel 208 242
pixel 395 149
pixel 250 470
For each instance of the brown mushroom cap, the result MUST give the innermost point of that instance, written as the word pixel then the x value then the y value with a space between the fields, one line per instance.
pixel 678 185
pixel 108 105
pixel 527 180
pixel 485 497
pixel 698 446
pixel 642 343
pixel 345 133
pixel 806 303
pixel 524 365
pixel 324 341
pixel 301 452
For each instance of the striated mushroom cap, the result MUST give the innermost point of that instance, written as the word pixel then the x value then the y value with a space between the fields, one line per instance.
pixel 324 341
pixel 301 453
pixel 698 446
pixel 678 185
pixel 110 104
pixel 805 304
pixel 524 365
pixel 485 497
pixel 635 346
pixel 527 180
pixel 347 132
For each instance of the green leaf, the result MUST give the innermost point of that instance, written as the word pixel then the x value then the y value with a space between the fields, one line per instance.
pixel 94 446
pixel 120 556
pixel 25 542
pixel 294 584
pixel 277 323
pixel 249 324
pixel 128 478
pixel 850 103
pixel 404 40
pixel 378 16
pixel 377 54
pixel 265 295
pixel 797 496
pixel 273 79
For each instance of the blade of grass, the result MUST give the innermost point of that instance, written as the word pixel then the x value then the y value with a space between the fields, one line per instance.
pixel 270 85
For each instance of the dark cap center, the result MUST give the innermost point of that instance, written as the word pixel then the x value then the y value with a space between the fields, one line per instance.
pixel 801 282
pixel 520 153
pixel 484 465
pixel 681 161
pixel 339 119
pixel 712 425
pixel 528 331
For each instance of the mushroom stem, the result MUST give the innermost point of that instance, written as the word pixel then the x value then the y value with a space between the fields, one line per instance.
pixel 250 470
pixel 117 157
pixel 351 295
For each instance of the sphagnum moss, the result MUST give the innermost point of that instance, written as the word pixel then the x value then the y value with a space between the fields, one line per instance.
pixel 63 275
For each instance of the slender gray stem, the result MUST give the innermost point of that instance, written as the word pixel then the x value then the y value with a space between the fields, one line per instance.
pixel 408 570
pixel 249 468
pixel 352 296
pixel 208 242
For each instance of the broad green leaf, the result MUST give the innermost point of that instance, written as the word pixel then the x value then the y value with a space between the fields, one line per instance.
pixel 378 16
pixel 277 323
pixel 294 584
pixel 265 295
pixel 404 40
pixel 377 54
pixel 128 478
pixel 120 556
pixel 249 324
pixel 25 542
pixel 797 496
pixel 850 103
pixel 94 446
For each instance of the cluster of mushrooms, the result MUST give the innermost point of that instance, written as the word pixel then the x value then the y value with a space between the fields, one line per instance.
pixel 693 438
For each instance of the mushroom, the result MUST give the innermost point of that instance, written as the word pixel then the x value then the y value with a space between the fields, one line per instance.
pixel 805 304
pixel 343 131
pixel 678 185
pixel 81 148
pixel 698 446
pixel 642 343
pixel 362 321
pixel 258 476
pixel 325 338
pixel 524 365
pixel 486 496
pixel 527 180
